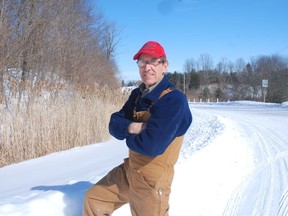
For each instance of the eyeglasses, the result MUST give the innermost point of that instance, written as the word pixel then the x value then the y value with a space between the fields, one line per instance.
pixel 154 62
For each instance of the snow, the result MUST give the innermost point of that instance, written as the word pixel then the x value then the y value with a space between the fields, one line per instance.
pixel 234 161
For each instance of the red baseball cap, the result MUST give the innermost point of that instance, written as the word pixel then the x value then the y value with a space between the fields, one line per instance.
pixel 151 48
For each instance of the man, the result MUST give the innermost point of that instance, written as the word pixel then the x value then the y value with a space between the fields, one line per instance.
pixel 153 121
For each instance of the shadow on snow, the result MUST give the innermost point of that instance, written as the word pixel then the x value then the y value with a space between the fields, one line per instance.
pixel 73 195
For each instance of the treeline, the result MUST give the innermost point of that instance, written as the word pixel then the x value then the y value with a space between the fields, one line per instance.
pixel 57 77
pixel 237 80
pixel 56 44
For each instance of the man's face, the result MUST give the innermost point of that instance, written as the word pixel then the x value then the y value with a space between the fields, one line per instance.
pixel 151 69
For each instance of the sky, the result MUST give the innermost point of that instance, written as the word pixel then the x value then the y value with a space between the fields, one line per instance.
pixel 230 29
pixel 233 161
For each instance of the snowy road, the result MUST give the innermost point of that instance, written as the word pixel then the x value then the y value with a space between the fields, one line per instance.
pixel 265 190
pixel 234 162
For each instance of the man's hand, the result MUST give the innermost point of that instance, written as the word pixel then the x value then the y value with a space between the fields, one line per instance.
pixel 136 127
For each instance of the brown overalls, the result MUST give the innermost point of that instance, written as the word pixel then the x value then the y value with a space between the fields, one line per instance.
pixel 143 182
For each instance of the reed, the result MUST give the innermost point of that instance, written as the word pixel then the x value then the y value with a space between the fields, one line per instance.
pixel 48 126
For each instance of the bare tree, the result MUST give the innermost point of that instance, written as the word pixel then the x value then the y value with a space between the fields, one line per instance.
pixel 206 62
pixel 189 65
pixel 222 66
pixel 111 38
pixel 57 41
pixel 239 65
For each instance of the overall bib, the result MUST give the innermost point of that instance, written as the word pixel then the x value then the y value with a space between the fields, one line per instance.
pixel 143 182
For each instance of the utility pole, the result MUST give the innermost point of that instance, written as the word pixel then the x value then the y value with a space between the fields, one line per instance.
pixel 184 82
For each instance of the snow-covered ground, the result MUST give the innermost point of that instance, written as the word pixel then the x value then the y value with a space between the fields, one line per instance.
pixel 234 161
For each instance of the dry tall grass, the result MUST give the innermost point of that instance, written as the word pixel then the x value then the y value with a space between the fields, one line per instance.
pixel 51 126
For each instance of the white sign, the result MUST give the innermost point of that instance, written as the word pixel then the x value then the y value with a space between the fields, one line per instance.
pixel 264 83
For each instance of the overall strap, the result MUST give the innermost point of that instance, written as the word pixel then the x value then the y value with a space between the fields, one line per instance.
pixel 166 91
pixel 143 116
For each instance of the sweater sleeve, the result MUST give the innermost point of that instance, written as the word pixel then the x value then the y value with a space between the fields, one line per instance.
pixel 118 125
pixel 170 117
pixel 119 121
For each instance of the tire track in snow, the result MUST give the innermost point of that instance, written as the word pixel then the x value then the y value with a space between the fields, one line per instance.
pixel 269 177
pixel 263 203
pixel 236 203
pixel 283 210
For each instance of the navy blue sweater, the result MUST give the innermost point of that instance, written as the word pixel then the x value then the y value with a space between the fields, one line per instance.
pixel 170 118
